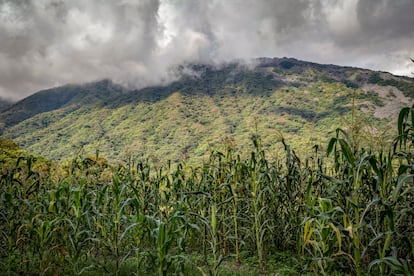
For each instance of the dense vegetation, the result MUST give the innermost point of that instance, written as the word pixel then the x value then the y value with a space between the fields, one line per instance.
pixel 303 102
pixel 348 212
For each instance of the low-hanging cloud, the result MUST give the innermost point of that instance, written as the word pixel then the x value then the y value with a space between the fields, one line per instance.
pixel 45 43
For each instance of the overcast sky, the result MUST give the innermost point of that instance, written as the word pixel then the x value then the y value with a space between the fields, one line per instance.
pixel 46 43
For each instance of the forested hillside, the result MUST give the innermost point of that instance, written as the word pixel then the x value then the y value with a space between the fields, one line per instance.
pixel 208 107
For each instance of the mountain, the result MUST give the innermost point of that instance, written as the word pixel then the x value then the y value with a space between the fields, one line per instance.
pixel 68 98
pixel 4 104
pixel 208 107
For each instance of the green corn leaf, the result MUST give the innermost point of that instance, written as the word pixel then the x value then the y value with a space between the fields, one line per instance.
pixel 347 152
pixel 402 179
pixel 401 118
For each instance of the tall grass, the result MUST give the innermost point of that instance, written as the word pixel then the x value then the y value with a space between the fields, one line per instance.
pixel 350 211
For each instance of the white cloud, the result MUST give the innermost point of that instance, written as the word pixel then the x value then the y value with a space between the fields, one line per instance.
pixel 44 43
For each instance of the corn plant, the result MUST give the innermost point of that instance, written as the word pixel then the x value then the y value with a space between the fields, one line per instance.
pixel 348 212
pixel 260 179
pixel 321 238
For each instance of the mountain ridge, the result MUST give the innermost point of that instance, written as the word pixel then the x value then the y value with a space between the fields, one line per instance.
pixel 4 104
pixel 55 98
pixel 206 106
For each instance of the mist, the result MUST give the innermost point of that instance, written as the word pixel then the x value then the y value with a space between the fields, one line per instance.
pixel 46 43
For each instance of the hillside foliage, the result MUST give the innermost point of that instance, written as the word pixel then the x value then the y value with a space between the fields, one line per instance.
pixel 298 101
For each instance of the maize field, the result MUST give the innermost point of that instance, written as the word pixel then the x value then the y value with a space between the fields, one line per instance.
pixel 344 210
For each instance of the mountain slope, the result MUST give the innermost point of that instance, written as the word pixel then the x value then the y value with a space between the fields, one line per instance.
pixel 300 101
pixel 4 104
pixel 68 97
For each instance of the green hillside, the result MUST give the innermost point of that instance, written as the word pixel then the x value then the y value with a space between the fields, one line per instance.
pixel 67 98
pixel 214 105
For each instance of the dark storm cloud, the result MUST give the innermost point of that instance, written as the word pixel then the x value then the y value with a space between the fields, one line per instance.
pixel 44 43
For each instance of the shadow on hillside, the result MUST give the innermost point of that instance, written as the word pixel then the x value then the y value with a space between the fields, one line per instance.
pixel 206 80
